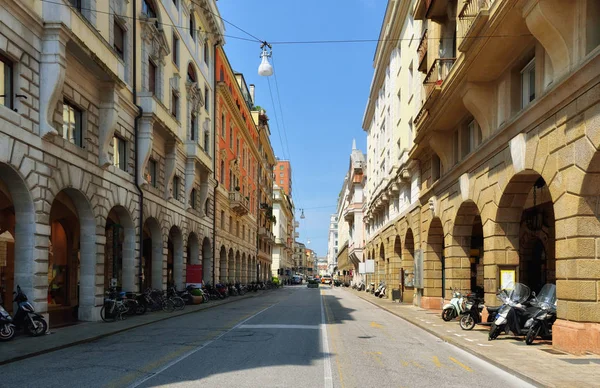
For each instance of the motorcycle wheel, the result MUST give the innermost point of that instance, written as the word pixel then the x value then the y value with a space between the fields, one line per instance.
pixel 7 332
pixel 532 334
pixel 448 314
pixel 467 322
pixel 40 328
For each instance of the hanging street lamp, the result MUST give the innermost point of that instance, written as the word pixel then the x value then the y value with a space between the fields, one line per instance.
pixel 265 69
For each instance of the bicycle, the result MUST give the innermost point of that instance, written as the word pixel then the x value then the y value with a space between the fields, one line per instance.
pixel 114 307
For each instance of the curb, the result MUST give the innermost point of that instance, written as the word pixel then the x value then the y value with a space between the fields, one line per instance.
pixel 108 334
pixel 461 346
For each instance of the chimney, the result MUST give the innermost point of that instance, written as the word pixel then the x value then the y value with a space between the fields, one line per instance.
pixel 252 93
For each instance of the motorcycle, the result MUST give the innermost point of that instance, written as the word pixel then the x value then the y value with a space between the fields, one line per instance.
pixel 371 288
pixel 454 308
pixel 543 319
pixel 471 315
pixel 514 312
pixel 379 288
pixel 26 317
pixel 7 328
pixel 382 291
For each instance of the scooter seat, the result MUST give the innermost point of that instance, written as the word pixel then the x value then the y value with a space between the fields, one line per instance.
pixel 493 309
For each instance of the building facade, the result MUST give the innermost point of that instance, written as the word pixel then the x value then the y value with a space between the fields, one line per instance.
pixel 110 158
pixel 332 242
pixel 393 179
pixel 351 236
pixel 282 175
pixel 506 142
pixel 283 251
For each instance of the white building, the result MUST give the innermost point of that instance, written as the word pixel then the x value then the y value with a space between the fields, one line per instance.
pixel 332 242
pixel 283 210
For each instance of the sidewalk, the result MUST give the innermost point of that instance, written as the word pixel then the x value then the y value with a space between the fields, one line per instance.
pixel 24 346
pixel 539 364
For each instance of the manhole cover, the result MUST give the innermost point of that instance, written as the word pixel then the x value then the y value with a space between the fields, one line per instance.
pixel 552 351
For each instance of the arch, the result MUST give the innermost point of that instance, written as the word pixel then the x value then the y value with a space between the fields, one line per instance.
pixel 119 252
pixel 72 258
pixel 175 271
pixel 238 267
pixel 231 266
pixel 408 266
pixel 434 266
pixel 192 74
pixel 525 215
pixel 222 264
pixel 243 269
pixel 207 260
pixel 465 262
pixel 193 250
pixel 380 264
pixel 17 216
pixel 152 262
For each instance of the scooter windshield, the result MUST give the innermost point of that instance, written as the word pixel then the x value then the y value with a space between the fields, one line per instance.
pixel 520 293
pixel 547 296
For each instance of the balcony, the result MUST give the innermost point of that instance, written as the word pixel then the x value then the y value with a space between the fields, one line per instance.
pixel 262 232
pixel 296 235
pixel 422 51
pixel 279 241
pixel 472 18
pixel 238 203
pixel 434 79
pixel 430 9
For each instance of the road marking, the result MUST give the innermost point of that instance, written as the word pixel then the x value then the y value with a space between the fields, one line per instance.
pixel 454 360
pixel 376 357
pixel 334 334
pixel 459 335
pixel 434 325
pixel 311 327
pixel 484 345
pixel 470 340
pixel 328 376
pixel 376 325
pixel 186 355
pixel 428 322
pixel 436 361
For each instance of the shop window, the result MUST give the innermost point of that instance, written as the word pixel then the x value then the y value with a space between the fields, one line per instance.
pixel 119 39
pixel 120 153
pixel 176 182
pixel 72 124
pixel 6 82
pixel 153 172
pixel 528 83
pixel 152 73
pixel 175 49
pixel 193 198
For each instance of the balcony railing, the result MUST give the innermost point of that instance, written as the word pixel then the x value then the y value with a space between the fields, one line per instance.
pixel 436 75
pixel 422 51
pixel 239 204
pixel 472 17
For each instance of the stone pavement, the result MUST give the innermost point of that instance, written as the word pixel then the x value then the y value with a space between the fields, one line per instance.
pixel 538 363
pixel 23 346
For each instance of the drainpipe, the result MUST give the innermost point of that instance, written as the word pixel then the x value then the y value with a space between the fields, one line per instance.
pixel 214 163
pixel 135 132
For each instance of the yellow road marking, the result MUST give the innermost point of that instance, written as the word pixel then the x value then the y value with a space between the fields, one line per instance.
pixel 437 362
pixel 413 363
pixel 454 360
pixel 376 325
pixel 405 363
pixel 376 357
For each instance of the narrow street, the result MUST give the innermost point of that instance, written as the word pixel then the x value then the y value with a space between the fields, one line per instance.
pixel 269 341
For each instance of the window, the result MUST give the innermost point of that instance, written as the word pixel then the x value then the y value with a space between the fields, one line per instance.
pixel 119 40
pixel 281 174
pixel 6 82
pixel 206 98
pixel 223 125
pixel 206 141
pixel 281 182
pixel 191 74
pixel 230 224
pixel 222 172
pixel 237 228
pixel 410 80
pixel 76 4
pixel 153 172
pixel 281 167
pixel 474 135
pixel 528 83
pixel 175 49
pixel 193 198
pixel 231 136
pixel 193 127
pixel 222 219
pixel 152 77
pixel 174 103
pixel 192 28
pixel 237 147
pixel 120 153
pixel 72 124
pixel 221 75
pixel 207 207
pixel 206 53
pixel 176 187
pixel 455 147
pixel 147 9
pixel 243 232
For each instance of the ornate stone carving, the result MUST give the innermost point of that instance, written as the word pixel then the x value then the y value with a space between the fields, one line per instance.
pixel 155 39
pixel 107 123
pixel 194 96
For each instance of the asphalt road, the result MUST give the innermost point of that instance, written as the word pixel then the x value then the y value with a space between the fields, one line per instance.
pixel 292 337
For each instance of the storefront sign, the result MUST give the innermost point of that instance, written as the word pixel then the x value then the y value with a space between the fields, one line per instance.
pixel 193 274
pixel 507 278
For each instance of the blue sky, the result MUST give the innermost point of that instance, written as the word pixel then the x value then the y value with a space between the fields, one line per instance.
pixel 323 89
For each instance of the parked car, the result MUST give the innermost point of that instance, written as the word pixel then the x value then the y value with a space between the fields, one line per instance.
pixel 296 280
pixel 326 279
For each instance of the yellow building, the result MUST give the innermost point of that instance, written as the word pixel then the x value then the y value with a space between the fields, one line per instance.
pixel 506 141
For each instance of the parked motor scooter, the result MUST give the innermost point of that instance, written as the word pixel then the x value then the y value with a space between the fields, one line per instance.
pixel 471 316
pixel 543 319
pixel 454 308
pixel 382 291
pixel 379 288
pixel 514 312
pixel 26 318
pixel 371 288
pixel 7 328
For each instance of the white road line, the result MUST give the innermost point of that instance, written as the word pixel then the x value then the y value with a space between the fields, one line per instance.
pixel 470 340
pixel 484 345
pixel 186 355
pixel 312 327
pixel 327 379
